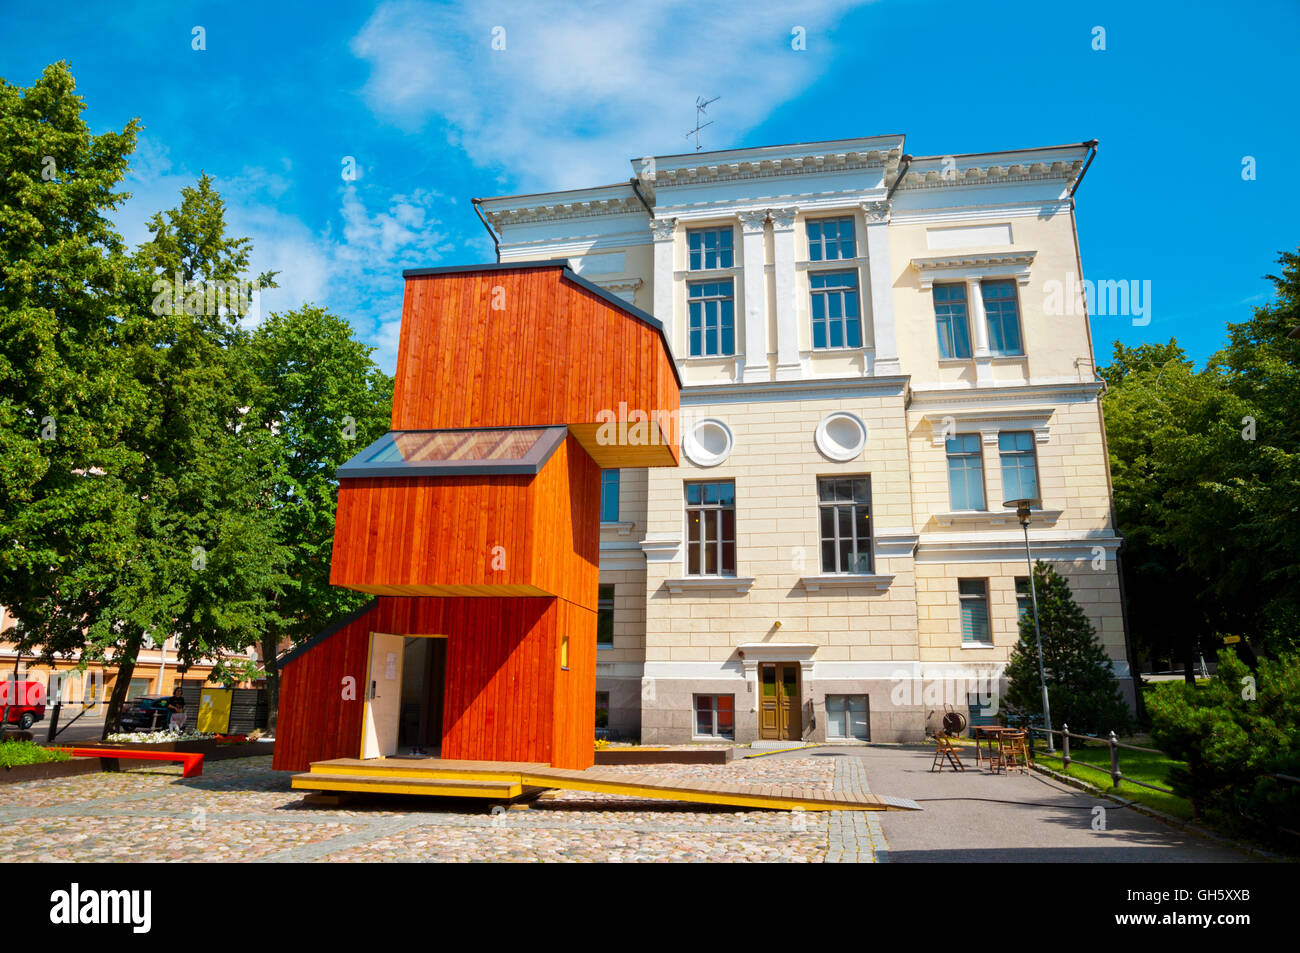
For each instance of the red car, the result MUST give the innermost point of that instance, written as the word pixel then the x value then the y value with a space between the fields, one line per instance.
pixel 22 702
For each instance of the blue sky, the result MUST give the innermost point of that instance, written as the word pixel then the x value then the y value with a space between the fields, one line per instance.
pixel 433 116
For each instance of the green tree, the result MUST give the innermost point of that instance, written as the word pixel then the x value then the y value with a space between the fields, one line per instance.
pixel 65 397
pixel 1081 686
pixel 324 399
pixel 1206 469
pixel 1235 734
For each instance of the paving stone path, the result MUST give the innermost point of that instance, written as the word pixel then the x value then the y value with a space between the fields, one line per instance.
pixel 242 811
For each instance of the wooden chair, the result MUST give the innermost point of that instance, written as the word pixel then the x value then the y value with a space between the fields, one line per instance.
pixel 945 750
pixel 1011 754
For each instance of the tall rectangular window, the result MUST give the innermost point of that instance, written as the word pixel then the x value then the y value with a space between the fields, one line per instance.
pixel 715 716
pixel 711 529
pixel 1019 465
pixel 713 322
pixel 1024 599
pixel 1003 316
pixel 605 616
pixel 602 714
pixel 951 318
pixel 973 594
pixel 965 472
pixel 609 496
pixel 845 505
pixel 831 239
pixel 835 321
pixel 710 248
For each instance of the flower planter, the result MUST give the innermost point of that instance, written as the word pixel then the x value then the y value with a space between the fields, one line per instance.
pixel 211 748
pixel 50 769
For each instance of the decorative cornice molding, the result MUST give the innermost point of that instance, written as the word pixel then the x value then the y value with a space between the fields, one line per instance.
pixel 992 174
pixel 1011 264
pixel 988 423
pixel 558 211
pixel 618 284
pixel 812 163
pixel 876 213
pixel 663 228
pixel 783 218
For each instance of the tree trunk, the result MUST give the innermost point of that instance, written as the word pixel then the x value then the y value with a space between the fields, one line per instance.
pixel 272 682
pixel 125 669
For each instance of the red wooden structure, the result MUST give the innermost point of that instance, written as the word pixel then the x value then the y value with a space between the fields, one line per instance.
pixel 475 521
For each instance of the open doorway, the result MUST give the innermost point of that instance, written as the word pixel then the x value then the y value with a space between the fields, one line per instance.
pixel 403 714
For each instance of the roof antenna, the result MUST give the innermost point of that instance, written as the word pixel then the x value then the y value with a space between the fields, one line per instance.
pixel 700 104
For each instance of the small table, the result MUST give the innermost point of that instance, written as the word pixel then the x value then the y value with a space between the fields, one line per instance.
pixel 992 733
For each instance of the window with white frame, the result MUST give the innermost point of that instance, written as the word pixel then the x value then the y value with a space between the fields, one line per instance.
pixel 711 529
pixel 1019 465
pixel 712 318
pixel 1003 315
pixel 845 504
pixel 710 248
pixel 846 718
pixel 952 320
pixel 973 597
pixel 831 239
pixel 715 716
pixel 965 472
pixel 835 321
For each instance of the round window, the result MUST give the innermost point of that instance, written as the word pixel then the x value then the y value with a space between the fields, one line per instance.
pixel 709 443
pixel 841 436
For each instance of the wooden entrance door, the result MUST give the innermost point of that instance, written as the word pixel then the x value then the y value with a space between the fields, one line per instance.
pixel 779 715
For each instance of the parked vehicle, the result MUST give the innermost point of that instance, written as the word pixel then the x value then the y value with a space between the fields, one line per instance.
pixel 146 713
pixel 22 703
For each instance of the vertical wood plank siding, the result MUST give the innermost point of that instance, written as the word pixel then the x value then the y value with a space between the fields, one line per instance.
pixel 506 698
pixel 554 353
pixel 440 535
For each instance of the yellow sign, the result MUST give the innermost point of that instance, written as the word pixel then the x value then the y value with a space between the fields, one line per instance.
pixel 214 710
pixel 1230 639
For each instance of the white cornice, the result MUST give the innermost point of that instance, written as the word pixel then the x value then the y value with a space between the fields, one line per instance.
pixel 944 423
pixel 956 174
pixel 754 164
pixel 935 400
pixel 564 208
pixel 806 389
pixel 1010 264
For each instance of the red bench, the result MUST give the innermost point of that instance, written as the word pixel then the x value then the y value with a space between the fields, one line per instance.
pixel 193 760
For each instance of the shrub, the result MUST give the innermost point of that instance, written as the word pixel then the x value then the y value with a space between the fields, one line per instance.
pixel 1081 685
pixel 1235 732
pixel 15 753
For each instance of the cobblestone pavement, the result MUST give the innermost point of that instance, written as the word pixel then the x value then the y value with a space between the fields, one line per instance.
pixel 241 810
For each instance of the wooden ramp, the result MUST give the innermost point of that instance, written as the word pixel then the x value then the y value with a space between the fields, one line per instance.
pixel 509 780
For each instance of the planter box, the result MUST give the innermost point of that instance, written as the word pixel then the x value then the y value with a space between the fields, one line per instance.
pixel 664 755
pixel 50 769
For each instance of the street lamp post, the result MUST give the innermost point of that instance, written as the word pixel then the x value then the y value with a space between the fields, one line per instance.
pixel 1022 508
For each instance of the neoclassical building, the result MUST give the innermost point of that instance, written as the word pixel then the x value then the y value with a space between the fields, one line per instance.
pixel 871 365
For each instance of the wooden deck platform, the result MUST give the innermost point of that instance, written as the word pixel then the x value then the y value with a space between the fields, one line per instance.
pixel 508 780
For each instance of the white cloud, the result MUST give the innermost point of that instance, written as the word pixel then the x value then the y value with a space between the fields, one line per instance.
pixel 580 89
pixel 354 271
